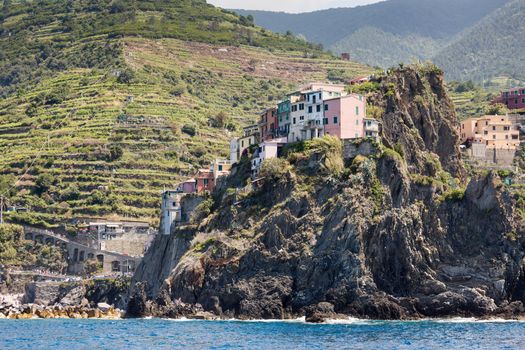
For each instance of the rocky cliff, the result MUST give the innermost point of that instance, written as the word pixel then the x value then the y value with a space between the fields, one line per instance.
pixel 389 230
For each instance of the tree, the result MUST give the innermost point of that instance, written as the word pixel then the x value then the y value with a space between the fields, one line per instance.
pixel 115 152
pixel 6 184
pixel 496 109
pixel 44 182
pixel 126 76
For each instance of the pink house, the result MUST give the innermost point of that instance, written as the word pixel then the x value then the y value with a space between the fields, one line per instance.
pixel 189 186
pixel 344 116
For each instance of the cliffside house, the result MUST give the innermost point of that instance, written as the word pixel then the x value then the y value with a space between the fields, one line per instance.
pixel 514 99
pixel 205 181
pixel 220 167
pixel 240 145
pixel 268 124
pixel 307 110
pixel 171 210
pixel 359 80
pixel 491 139
pixel 492 130
pixel 252 130
pixel 345 118
pixel 188 186
pixel 266 150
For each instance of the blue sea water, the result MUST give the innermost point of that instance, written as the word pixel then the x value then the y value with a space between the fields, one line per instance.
pixel 169 334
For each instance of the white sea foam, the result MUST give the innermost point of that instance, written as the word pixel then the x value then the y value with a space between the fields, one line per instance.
pixel 351 320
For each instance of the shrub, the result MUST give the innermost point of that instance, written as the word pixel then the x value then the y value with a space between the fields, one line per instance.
pixel 274 169
pixel 126 76
pixel 330 148
pixel 188 129
pixel 44 182
pixel 203 210
pixel 115 152
pixel 71 193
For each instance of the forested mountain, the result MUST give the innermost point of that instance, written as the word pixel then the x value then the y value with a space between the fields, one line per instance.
pixel 493 47
pixel 105 103
pixel 394 31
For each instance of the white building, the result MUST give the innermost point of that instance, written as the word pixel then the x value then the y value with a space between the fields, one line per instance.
pixel 307 113
pixel 171 210
pixel 266 150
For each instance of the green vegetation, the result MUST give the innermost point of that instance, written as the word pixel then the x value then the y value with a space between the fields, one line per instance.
pixel 105 103
pixel 18 253
pixel 274 169
pixel 330 151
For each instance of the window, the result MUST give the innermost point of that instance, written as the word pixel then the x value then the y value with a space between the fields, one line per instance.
pixel 493 128
pixel 294 120
pixel 301 117
pixel 516 101
pixel 242 144
pixel 506 128
pixel 249 142
pixel 335 120
pixel 310 109
pixel 523 92
pixel 325 121
pixel 494 137
pixel 485 132
pixel 318 108
pixel 356 110
pixel 294 108
pixel 516 92
pixel 523 100
pixel 220 167
pixel 314 99
pixel 205 182
pixel 357 122
pixel 325 107
pixel 301 106
pixel 506 137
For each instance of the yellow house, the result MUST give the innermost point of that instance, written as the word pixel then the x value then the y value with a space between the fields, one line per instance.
pixel 495 131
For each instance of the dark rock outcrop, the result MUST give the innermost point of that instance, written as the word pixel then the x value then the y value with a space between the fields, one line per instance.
pixel 397 237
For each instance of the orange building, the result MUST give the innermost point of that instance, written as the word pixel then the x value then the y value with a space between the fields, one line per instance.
pixel 496 132
pixel 205 181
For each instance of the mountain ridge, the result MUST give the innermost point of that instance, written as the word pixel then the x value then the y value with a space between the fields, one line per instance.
pixel 417 29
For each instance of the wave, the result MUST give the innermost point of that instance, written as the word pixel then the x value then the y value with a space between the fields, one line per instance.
pixel 352 321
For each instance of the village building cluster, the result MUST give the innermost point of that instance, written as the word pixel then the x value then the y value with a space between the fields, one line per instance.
pixel 316 110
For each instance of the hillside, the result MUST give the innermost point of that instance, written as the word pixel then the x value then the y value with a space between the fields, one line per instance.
pixel 418 29
pixel 493 47
pixel 103 104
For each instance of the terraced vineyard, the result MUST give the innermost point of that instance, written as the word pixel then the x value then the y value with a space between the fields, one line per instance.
pixel 105 139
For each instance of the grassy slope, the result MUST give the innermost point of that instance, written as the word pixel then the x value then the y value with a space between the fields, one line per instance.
pixel 175 83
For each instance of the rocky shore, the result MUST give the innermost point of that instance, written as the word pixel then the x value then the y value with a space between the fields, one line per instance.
pixel 30 311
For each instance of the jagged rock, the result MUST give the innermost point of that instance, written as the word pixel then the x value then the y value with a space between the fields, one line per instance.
pixel 104 307
pixel 430 287
pixel 383 241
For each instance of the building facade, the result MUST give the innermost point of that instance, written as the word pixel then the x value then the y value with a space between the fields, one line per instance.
pixel 205 181
pixel 494 131
pixel 345 118
pixel 171 210
pixel 268 124
pixel 240 145
pixel 513 99
pixel 266 150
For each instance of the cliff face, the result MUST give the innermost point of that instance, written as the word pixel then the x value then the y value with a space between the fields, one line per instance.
pixel 394 234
